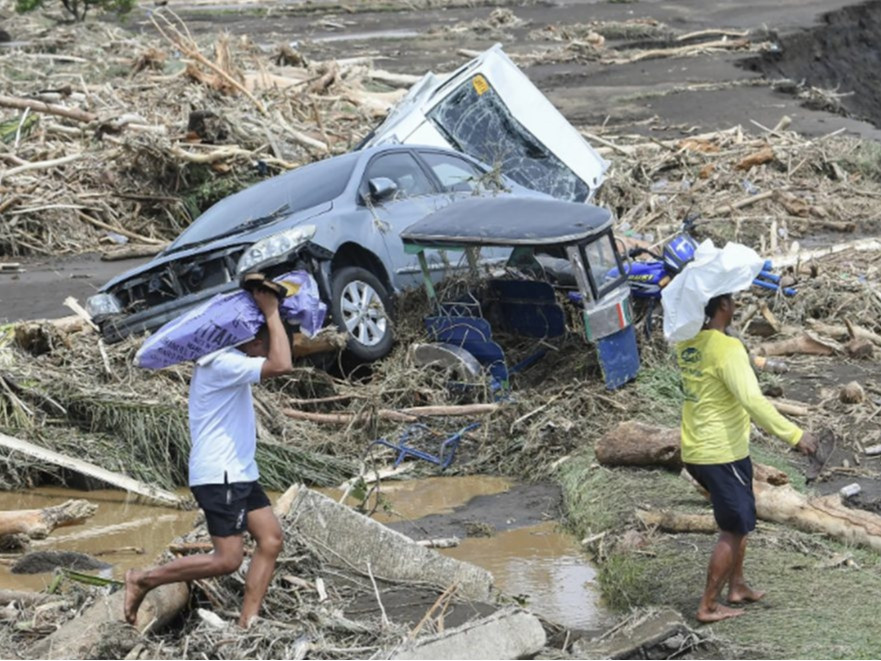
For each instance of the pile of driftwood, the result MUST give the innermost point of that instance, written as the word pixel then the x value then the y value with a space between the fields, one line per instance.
pixel 110 138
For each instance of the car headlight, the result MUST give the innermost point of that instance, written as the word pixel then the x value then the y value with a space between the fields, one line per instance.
pixel 274 246
pixel 101 305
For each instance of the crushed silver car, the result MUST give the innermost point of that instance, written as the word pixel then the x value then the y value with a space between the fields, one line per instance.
pixel 340 219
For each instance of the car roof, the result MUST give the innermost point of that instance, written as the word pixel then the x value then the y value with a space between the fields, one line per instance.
pixel 508 220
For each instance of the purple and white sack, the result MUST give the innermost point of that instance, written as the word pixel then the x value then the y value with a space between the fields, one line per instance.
pixel 228 320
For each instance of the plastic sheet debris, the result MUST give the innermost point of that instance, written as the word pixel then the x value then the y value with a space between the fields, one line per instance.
pixel 713 272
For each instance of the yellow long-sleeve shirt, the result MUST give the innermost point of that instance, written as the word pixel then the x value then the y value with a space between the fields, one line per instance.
pixel 721 395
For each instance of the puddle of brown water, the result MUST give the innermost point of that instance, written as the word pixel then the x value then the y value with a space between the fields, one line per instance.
pixel 541 562
pixel 413 499
pixel 544 565
pixel 143 526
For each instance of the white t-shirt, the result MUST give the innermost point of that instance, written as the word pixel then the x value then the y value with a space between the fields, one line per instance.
pixel 223 428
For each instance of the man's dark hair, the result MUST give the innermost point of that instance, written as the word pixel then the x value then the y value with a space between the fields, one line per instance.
pixel 263 332
pixel 713 306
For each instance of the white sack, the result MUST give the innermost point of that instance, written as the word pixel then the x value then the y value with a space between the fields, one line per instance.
pixel 712 273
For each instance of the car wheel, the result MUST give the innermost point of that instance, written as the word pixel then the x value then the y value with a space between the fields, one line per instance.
pixel 360 307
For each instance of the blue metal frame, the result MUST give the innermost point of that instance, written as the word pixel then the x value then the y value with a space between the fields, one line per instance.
pixel 446 452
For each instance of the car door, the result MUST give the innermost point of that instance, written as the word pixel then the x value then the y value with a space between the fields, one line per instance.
pixel 416 195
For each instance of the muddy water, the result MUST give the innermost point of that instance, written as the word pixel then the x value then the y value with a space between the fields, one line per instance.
pixel 538 563
pixel 118 524
pixel 545 567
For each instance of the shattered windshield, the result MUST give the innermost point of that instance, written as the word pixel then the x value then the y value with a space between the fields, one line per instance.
pixel 303 188
pixel 476 121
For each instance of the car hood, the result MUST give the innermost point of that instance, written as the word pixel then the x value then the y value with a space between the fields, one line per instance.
pixel 245 238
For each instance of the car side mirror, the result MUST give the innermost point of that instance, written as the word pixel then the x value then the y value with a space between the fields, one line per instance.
pixel 381 189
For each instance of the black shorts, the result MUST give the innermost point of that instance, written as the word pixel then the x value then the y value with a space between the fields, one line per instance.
pixel 731 492
pixel 226 506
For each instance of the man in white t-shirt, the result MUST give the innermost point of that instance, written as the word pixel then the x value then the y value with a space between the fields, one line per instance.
pixel 223 472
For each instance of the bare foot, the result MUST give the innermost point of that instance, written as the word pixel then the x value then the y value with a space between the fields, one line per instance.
pixel 134 594
pixel 743 594
pixel 717 613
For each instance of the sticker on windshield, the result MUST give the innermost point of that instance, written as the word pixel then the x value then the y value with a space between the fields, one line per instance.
pixel 480 84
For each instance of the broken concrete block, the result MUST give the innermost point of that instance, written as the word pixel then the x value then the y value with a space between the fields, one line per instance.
pixel 631 640
pixel 348 539
pixel 507 634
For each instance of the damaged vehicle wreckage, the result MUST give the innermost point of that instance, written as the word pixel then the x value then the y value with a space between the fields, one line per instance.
pixel 339 218
pixel 517 297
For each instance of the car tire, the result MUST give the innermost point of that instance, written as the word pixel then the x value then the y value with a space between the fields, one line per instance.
pixel 360 306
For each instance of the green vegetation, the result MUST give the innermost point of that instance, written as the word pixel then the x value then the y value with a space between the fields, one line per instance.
pixel 79 8
pixel 821 594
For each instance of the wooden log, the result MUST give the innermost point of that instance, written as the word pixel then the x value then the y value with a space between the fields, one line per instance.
pixel 842 333
pixel 807 343
pixel 324 341
pixel 48 108
pixel 81 637
pixel 636 444
pixel 787 407
pixel 403 415
pixel 825 514
pixel 676 522
pixel 764 155
pixel 858 245
pixel 440 543
pixel 37 524
pixel 860 347
pixel 132 251
pixel 148 492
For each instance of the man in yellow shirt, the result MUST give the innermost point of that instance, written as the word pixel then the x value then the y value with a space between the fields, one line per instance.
pixel 721 396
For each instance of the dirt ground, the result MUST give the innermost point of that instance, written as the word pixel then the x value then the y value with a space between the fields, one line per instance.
pixel 666 92
pixel 39 290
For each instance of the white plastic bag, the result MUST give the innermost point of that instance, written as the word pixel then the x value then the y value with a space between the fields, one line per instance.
pixel 712 273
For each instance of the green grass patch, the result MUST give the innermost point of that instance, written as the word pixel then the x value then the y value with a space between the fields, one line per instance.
pixel 814 609
pixel 599 499
pixel 660 388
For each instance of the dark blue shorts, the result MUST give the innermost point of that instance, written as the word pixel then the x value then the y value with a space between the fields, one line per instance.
pixel 731 492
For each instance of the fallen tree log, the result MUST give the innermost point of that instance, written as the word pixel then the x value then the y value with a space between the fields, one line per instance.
pixel 132 251
pixel 148 492
pixel 403 415
pixel 670 521
pixel 633 443
pixel 808 344
pixel 859 245
pixel 81 637
pixel 842 333
pixel 37 524
pixel 823 514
